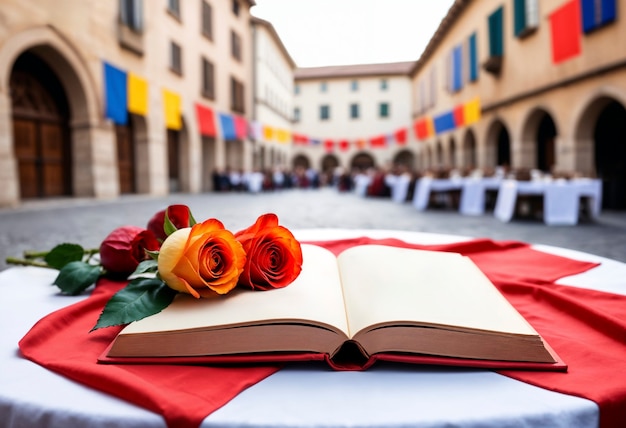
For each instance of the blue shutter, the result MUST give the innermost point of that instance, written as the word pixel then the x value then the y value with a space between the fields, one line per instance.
pixel 588 10
pixel 457 68
pixel 608 11
pixel 519 18
pixel 496 43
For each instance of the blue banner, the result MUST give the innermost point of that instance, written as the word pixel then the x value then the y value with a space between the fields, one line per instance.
pixel 228 126
pixel 115 94
pixel 444 122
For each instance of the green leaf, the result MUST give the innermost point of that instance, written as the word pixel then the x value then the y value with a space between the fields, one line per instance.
pixel 75 277
pixel 147 266
pixel 142 297
pixel 192 221
pixel 63 254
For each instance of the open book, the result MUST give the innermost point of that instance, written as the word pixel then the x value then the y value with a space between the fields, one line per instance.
pixel 370 303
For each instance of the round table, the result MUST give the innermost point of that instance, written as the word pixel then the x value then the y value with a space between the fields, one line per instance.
pixel 301 395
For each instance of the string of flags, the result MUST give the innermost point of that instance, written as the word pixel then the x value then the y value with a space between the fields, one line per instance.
pixel 127 93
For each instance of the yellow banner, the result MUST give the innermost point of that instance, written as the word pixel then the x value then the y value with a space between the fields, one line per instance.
pixel 268 133
pixel 471 111
pixel 430 126
pixel 171 104
pixel 137 95
pixel 283 136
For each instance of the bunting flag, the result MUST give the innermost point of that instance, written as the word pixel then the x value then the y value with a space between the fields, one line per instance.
pixel 172 111
pixel 299 139
pixel 283 136
pixel 256 130
pixel 565 31
pixel 228 127
pixel 378 142
pixel 316 142
pixel 241 127
pixel 268 133
pixel 329 145
pixel 206 121
pixel 137 95
pixel 444 122
pixel 471 111
pixel 361 143
pixel 115 94
pixel 459 115
pixel 344 145
pixel 401 136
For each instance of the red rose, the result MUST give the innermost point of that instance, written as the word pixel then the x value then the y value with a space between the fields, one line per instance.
pixel 274 256
pixel 179 215
pixel 123 249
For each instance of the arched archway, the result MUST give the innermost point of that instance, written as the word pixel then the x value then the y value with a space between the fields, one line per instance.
pixel 609 137
pixel 329 163
pixel 439 154
pixel 601 129
pixel 40 129
pixel 539 140
pixel 405 158
pixel 468 150
pixel 498 145
pixel 85 112
pixel 300 161
pixel 362 161
pixel 452 152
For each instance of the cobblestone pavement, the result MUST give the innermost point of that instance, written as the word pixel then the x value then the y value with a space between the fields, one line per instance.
pixel 40 225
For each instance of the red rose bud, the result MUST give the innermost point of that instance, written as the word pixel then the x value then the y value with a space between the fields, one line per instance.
pixel 179 215
pixel 124 249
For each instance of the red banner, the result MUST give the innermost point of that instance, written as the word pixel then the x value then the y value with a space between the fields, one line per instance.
pixel 565 31
pixel 206 121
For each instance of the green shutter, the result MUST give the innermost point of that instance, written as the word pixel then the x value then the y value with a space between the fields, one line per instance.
pixel 496 42
pixel 519 16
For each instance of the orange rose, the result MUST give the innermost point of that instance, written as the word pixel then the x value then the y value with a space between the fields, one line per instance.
pixel 274 255
pixel 202 259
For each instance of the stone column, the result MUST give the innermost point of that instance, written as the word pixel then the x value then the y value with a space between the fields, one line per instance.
pixel 9 181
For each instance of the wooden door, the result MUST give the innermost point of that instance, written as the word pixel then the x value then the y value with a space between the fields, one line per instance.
pixel 40 135
pixel 125 158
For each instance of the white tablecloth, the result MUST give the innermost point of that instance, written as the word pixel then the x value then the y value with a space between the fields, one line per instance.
pixel 302 395
pixel 561 198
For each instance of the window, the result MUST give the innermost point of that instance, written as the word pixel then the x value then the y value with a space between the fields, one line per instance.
pixel 208 79
pixel 131 14
pixel 354 111
pixel 324 112
pixel 296 114
pixel 237 100
pixel 176 61
pixel 236 7
pixel 496 42
pixel 596 13
pixel 525 17
pixel 383 84
pixel 207 20
pixel 235 45
pixel 472 50
pixel 296 89
pixel 354 85
pixel 173 7
pixel 323 87
pixel 383 110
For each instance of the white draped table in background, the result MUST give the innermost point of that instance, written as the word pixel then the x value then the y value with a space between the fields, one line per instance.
pixel 561 198
pixel 301 395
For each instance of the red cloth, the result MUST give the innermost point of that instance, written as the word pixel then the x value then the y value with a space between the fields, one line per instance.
pixel 586 328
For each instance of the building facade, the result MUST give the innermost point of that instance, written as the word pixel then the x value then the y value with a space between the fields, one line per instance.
pixel 99 98
pixel 549 77
pixel 273 98
pixel 354 116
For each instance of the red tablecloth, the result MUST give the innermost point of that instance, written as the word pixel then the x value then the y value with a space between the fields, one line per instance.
pixel 586 328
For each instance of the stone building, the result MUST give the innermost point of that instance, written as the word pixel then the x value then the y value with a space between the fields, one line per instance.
pixel 67 69
pixel 550 78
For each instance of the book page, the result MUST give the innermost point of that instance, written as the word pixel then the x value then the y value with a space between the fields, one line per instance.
pixel 384 284
pixel 315 295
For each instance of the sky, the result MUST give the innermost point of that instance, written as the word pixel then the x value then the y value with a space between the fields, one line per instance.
pixel 318 33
